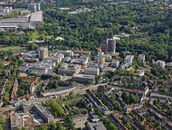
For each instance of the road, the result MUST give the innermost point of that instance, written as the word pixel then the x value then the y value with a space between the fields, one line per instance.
pixel 81 90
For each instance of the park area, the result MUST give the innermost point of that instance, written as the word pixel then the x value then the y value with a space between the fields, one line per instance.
pixel 11 48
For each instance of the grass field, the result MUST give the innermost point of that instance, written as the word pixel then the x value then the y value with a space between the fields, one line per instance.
pixel 37 36
pixel 12 48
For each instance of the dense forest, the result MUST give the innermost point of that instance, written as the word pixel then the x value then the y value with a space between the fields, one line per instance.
pixel 150 26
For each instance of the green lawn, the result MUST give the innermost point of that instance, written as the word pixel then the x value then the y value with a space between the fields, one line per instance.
pixel 37 36
pixel 11 48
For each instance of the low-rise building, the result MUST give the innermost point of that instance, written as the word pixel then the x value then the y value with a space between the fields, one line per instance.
pixel 97 103
pixel 160 63
pixel 5 10
pixel 81 61
pixel 141 57
pixel 129 59
pixel 14 89
pixel 57 92
pixel 94 117
pixel 22 22
pixel 115 63
pixel 96 65
pixel 57 58
pixel 96 126
pixel 36 18
pixel 117 122
pixel 68 53
pixel 83 78
pixel 68 69
pixel 108 58
pixel 38 68
pixel 29 115
pixel 45 115
pixel 79 120
pixel 92 71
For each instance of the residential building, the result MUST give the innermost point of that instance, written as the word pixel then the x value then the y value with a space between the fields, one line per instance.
pixel 115 63
pixel 57 92
pixel 141 57
pixel 160 63
pixel 43 52
pixel 96 102
pixel 5 10
pixel 117 123
pixel 33 81
pixel 108 58
pixel 129 59
pixel 14 89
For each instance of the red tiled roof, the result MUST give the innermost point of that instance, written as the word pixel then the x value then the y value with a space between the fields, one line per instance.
pixel 6 62
pixel 34 79
pixel 28 63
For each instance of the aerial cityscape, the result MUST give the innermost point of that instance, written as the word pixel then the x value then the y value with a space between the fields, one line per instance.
pixel 85 65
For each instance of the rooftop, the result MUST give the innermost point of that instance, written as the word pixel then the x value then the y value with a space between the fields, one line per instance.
pixel 37 16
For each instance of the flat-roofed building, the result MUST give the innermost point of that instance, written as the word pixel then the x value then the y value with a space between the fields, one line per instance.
pixel 92 71
pixel 68 53
pixel 36 18
pixel 129 59
pixel 96 126
pixel 83 78
pixel 115 63
pixel 160 63
pixel 81 61
pixel 68 69
pixel 57 92
pixel 45 115
pixel 22 22
pixel 141 57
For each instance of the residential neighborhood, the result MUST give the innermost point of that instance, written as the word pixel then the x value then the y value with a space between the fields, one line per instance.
pixel 85 65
